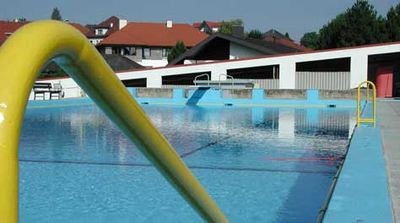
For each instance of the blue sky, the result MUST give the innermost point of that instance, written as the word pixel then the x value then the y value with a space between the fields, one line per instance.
pixel 293 16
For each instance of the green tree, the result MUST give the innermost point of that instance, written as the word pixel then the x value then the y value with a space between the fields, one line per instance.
pixel 56 15
pixel 227 26
pixel 310 40
pixel 52 70
pixel 358 25
pixel 393 23
pixel 287 35
pixel 255 34
pixel 175 52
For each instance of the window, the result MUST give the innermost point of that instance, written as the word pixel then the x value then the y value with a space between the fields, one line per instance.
pixel 165 52
pixel 94 41
pixel 129 51
pixel 101 32
pixel 108 50
pixel 116 50
pixel 146 52
pixel 132 51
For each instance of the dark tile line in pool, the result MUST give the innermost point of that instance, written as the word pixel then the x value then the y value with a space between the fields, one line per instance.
pixel 261 170
pixel 85 163
pixel 183 155
pixel 191 167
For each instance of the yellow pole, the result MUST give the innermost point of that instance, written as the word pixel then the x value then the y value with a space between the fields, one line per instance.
pixel 374 102
pixel 24 54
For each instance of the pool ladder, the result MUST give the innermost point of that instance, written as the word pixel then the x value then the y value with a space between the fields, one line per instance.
pixel 211 83
pixel 368 97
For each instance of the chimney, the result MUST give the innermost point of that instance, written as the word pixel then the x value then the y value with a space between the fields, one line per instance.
pixel 169 24
pixel 122 23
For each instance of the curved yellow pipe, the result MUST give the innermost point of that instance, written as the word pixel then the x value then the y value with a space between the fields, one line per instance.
pixel 24 54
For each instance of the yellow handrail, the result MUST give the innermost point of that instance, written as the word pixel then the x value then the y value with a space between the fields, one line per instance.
pixel 361 120
pixel 24 54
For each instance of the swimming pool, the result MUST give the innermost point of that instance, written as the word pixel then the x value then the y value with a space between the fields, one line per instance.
pixel 259 164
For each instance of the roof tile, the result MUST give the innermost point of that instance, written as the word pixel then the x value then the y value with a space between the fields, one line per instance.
pixel 155 34
pixel 8 27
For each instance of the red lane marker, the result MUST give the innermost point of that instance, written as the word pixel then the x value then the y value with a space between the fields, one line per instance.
pixel 301 159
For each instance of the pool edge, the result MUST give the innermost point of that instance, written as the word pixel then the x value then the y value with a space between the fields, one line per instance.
pixel 351 200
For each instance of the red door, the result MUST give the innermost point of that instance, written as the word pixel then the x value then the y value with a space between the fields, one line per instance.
pixel 384 82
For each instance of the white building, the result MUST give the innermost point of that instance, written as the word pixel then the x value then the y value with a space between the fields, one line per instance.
pixel 149 43
pixel 336 69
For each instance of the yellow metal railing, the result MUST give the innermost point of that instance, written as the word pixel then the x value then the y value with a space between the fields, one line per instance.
pixel 368 97
pixel 24 54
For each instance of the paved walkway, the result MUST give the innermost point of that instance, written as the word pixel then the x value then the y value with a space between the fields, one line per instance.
pixel 389 120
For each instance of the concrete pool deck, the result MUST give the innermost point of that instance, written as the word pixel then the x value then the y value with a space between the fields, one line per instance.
pixel 389 121
pixel 361 193
pixel 368 187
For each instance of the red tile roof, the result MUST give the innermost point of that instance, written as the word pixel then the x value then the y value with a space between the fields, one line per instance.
pixel 197 25
pixel 155 34
pixel 7 28
pixel 81 28
pixel 210 24
pixel 213 24
pixel 288 42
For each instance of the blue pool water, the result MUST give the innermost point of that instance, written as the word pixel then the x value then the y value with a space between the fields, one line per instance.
pixel 259 164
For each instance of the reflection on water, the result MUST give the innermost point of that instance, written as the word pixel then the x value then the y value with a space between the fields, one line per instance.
pixel 85 134
pixel 258 163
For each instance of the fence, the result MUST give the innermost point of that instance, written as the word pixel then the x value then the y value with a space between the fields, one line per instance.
pixel 323 80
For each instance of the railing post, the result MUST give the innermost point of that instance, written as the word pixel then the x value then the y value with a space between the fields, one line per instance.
pixel 361 120
pixel 60 42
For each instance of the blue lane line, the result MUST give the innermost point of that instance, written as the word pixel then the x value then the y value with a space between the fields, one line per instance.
pixel 361 193
pixel 191 167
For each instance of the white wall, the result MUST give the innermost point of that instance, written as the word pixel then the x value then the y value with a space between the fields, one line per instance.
pixel 358 69
pixel 153 63
pixel 95 41
pixel 237 52
pixel 287 64
pixel 122 23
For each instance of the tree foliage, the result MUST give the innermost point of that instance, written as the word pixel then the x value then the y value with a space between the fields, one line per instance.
pixel 227 26
pixel 176 51
pixel 56 15
pixel 287 35
pixel 255 34
pixel 310 40
pixel 358 25
pixel 393 23
pixel 52 70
